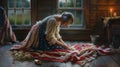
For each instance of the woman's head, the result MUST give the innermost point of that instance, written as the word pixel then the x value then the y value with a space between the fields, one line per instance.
pixel 67 18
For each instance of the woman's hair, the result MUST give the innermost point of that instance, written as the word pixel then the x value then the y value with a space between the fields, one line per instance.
pixel 67 16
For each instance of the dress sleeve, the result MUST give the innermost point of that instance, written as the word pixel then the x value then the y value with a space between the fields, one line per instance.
pixel 50 31
pixel 57 34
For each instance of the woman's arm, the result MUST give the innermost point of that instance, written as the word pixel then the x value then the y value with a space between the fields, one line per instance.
pixel 63 44
pixel 51 34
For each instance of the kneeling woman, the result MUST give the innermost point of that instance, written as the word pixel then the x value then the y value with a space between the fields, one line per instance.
pixel 44 35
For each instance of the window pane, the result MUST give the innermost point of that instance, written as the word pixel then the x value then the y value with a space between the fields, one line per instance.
pixel 62 3
pixel 78 17
pixel 19 17
pixel 78 3
pixel 11 16
pixel 70 3
pixel 27 3
pixel 10 4
pixel 27 17
pixel 19 3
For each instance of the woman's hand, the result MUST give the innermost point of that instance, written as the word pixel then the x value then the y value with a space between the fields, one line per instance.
pixel 70 47
pixel 66 46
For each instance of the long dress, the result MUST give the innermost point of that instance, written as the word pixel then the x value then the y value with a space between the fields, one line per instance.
pixel 37 36
pixel 6 33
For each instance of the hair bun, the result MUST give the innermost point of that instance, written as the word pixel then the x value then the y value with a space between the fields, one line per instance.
pixel 66 16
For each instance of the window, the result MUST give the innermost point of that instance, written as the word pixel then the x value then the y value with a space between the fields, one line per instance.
pixel 19 12
pixel 75 7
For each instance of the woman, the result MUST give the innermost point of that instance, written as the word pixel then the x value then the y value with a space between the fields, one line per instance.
pixel 44 35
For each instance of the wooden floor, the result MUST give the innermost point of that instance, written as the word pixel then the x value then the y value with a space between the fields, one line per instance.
pixel 6 60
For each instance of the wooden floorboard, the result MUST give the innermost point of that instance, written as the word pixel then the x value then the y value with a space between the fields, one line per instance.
pixel 6 60
pixel 110 62
pixel 99 62
pixel 116 58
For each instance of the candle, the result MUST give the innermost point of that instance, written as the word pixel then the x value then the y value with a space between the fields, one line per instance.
pixel 111 11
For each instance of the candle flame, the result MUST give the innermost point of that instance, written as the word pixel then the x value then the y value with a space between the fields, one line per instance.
pixel 111 9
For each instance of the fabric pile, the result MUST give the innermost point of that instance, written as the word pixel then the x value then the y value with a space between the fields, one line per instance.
pixel 82 54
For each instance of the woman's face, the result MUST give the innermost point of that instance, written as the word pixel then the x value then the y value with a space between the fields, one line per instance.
pixel 67 23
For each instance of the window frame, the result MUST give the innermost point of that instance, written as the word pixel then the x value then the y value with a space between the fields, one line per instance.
pixel 80 26
pixel 23 9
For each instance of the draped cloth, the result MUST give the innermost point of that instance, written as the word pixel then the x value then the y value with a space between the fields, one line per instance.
pixel 83 53
pixel 6 33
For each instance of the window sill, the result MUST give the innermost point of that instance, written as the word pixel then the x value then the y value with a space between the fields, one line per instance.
pixel 75 29
pixel 21 27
